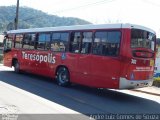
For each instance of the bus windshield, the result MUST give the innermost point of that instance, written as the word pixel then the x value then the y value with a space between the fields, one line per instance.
pixel 142 39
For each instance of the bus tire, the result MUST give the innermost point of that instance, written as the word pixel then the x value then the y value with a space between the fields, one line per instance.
pixel 16 67
pixel 62 76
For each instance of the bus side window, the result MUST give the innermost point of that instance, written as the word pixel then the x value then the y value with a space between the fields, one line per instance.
pixel 97 46
pixel 29 41
pixel 106 43
pixel 86 42
pixel 55 42
pixel 32 41
pixel 48 41
pixel 8 40
pixel 64 41
pixel 114 41
pixel 43 42
pixel 26 41
pixel 75 42
pixel 18 40
pixel 59 41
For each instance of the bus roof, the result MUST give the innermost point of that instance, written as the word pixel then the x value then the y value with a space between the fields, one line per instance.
pixel 82 27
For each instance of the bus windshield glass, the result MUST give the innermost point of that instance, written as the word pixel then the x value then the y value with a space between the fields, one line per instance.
pixel 142 39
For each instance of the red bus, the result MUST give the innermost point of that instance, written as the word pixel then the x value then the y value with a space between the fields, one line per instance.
pixel 118 56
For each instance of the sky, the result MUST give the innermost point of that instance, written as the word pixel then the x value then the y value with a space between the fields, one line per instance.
pixel 141 12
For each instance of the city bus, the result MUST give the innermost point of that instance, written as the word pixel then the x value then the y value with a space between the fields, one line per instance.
pixel 116 56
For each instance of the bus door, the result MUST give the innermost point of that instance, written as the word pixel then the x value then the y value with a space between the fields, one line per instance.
pixel 80 48
pixel 84 59
pixel 105 63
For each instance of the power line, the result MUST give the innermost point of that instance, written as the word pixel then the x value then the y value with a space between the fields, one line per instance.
pixel 83 6
pixel 78 7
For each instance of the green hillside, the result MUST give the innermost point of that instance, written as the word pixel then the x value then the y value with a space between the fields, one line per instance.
pixel 31 18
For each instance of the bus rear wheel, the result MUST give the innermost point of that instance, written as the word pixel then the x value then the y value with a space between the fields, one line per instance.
pixel 62 76
pixel 16 67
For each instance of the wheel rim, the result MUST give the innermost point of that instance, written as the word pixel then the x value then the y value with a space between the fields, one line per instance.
pixel 63 76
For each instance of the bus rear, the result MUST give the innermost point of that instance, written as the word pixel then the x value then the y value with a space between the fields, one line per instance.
pixel 138 58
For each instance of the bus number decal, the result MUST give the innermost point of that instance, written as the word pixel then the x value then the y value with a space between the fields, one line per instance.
pixel 38 57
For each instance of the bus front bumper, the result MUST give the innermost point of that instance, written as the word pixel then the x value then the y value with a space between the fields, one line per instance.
pixel 131 84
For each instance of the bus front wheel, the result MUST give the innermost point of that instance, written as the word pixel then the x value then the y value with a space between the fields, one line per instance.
pixel 62 76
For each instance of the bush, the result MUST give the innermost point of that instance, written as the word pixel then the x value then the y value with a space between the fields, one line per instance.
pixel 156 83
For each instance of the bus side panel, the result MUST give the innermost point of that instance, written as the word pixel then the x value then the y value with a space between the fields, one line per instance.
pixel 105 71
pixel 7 59
pixel 25 64
pixel 79 68
pixel 84 69
pixel 41 63
pixel 71 62
pixel 125 53
pixel 40 66
pixel 83 72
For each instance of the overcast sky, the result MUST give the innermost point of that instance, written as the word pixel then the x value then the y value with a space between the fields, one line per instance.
pixel 142 12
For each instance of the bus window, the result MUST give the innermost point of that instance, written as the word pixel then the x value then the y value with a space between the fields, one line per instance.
pixel 28 41
pixel 64 41
pixel 59 42
pixel 8 43
pixel 98 46
pixel 32 41
pixel 75 42
pixel 142 39
pixel 55 42
pixel 48 41
pixel 86 42
pixel 18 40
pixel 114 42
pixel 43 41
pixel 106 43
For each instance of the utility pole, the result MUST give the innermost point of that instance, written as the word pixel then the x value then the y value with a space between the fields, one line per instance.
pixel 17 13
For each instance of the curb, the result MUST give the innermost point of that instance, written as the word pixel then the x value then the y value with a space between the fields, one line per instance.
pixel 151 93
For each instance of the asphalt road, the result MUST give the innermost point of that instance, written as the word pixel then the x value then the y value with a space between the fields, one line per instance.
pixel 30 94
